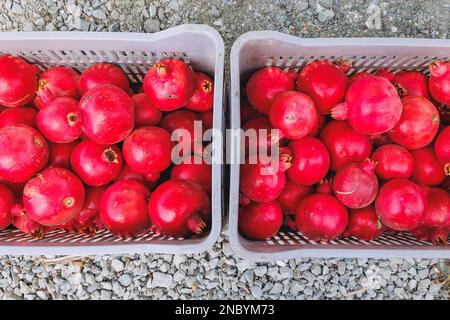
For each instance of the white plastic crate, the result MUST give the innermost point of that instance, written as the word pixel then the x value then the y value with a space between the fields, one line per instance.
pixel 199 45
pixel 255 50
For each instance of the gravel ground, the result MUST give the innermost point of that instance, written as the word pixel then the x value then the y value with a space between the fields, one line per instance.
pixel 218 273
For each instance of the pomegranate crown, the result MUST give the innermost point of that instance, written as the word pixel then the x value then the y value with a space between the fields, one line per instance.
pixel 437 68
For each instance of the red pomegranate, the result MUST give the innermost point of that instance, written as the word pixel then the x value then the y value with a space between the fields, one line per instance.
pixel 21 221
pixel 179 208
pixel 291 195
pixel 18 79
pixel 359 75
pixel 427 168
pixel 18 115
pixel 437 212
pixel 60 120
pixel 260 221
pixel 202 99
pixel 418 124
pixel 108 114
pixel 325 186
pixel 385 73
pixel 344 144
pixel 393 161
pixel 321 217
pixel 439 81
pixel 264 133
pixel 411 83
pixel 265 84
pixel 324 82
pixel 381 140
pixel 123 208
pixel 364 224
pixel 128 174
pixel 169 84
pixel 146 114
pixel 207 119
pixel 60 154
pixel 6 202
pixel 56 82
pixel 96 164
pixel 442 149
pixel 194 168
pixel 103 73
pixel 24 152
pixel 372 106
pixel 294 114
pixel 53 197
pixel 401 204
pixel 88 219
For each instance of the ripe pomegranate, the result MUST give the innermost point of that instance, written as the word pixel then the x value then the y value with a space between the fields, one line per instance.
pixel 146 114
pixel 310 161
pixel 291 195
pixel 321 217
pixel 194 168
pixel 207 119
pixel 247 112
pixel 24 152
pixel 123 208
pixel 401 204
pixel 18 115
pixel 60 154
pixel 437 212
pixel 56 82
pixel 179 208
pixel 372 106
pixel 324 82
pixel 101 74
pixel 294 114
pixel 96 164
pixel 6 202
pixel 322 121
pixel 88 220
pixel 427 168
pixel 364 224
pixel 128 174
pixel 60 120
pixel 169 84
pixel 183 119
pixel 344 144
pixel 260 221
pixel 148 150
pixel 108 114
pixel 325 186
pixel 359 75
pixel 439 81
pixel 411 83
pixel 418 124
pixel 265 84
pixel 18 79
pixel 393 161
pixel 21 221
pixel 442 149
pixel 385 73
pixel 356 185
pixel 258 124
pixel 381 140
pixel 55 196
pixel 202 99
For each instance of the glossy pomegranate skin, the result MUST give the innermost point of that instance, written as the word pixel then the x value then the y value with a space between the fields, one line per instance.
pixel 108 114
pixel 265 84
pixel 411 83
pixel 60 120
pixel 179 208
pixel 427 168
pixel 324 82
pixel 145 112
pixel 385 73
pixel 24 152
pixel 207 119
pixel 88 218
pixel 96 164
pixel 21 221
pixel 18 115
pixel 372 106
pixel 148 150
pixel 194 168
pixel 437 212
pixel 169 84
pixel 364 224
pixel 439 81
pixel 183 119
pixel 355 185
pixel 321 217
pixel 101 74
pixel 56 82
pixel 291 195
pixel 60 154
pixel 257 124
pixel 123 208
pixel 53 197
pixel 418 124
pixel 202 99
pixel 392 162
pixel 359 75
pixel 259 221
pixel 310 161
pixel 261 182
pixel 344 144
pixel 294 114
pixel 18 80
pixel 6 202
pixel 128 174
pixel 401 204
pixel 442 149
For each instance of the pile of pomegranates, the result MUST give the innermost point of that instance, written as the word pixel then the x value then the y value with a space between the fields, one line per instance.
pixel 90 151
pixel 357 155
